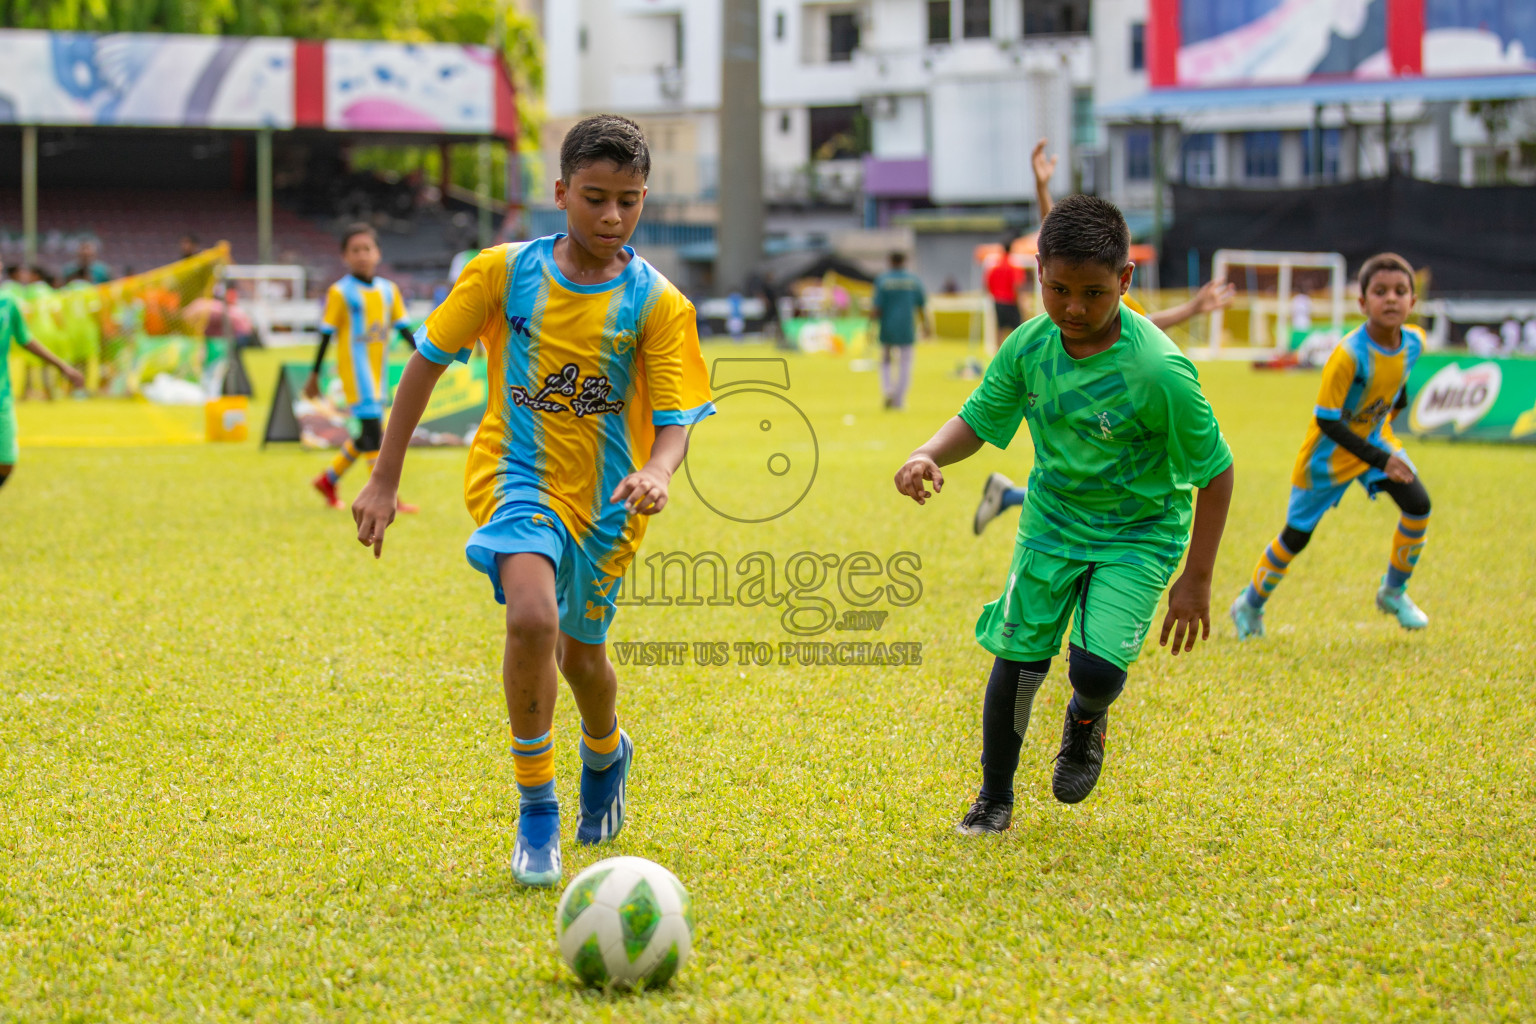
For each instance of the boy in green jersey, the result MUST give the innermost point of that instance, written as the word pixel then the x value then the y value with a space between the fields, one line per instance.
pixel 13 331
pixel 1122 435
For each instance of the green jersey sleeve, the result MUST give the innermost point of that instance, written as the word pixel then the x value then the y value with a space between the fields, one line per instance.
pixel 996 408
pixel 1196 447
pixel 13 329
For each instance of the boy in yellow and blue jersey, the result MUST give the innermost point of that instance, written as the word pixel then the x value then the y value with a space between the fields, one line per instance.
pixel 596 377
pixel 362 312
pixel 1350 441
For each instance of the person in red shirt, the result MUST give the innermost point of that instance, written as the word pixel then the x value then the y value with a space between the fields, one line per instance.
pixel 1005 283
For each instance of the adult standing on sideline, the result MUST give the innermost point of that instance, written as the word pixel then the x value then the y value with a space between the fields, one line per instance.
pixel 899 305
pixel 87 266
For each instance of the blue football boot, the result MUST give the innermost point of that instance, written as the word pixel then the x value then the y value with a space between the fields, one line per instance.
pixel 536 855
pixel 602 797
pixel 1395 601
pixel 1248 619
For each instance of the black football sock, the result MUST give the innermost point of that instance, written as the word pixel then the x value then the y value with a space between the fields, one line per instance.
pixel 1004 720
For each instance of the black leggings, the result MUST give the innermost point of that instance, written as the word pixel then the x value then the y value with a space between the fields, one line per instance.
pixel 370 435
pixel 1412 500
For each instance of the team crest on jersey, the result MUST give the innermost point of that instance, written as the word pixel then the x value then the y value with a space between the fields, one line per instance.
pixel 1105 430
pixel 624 341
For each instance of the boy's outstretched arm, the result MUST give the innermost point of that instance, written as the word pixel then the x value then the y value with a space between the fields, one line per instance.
pixel 1189 599
pixel 954 442
pixel 374 508
pixel 645 490
pixel 37 348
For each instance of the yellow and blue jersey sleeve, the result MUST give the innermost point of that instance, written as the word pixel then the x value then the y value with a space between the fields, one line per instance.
pixel 675 376
pixel 335 318
pixel 1338 378
pixel 469 312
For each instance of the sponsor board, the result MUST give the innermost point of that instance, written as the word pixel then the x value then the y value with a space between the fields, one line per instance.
pixel 1466 397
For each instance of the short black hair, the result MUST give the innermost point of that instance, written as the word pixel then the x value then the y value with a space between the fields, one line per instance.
pixel 898 258
pixel 605 137
pixel 353 230
pixel 1384 262
pixel 1086 229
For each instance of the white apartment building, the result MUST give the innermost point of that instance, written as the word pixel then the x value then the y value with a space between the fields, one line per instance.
pixel 924 111
pixel 886 103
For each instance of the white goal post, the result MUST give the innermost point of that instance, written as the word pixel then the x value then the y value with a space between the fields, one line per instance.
pixel 1263 310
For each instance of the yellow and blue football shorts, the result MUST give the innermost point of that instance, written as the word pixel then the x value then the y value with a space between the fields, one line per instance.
pixel 1308 505
pixel 584 592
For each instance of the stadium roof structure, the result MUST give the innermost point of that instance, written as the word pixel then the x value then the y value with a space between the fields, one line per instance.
pixel 1172 102
pixel 124 80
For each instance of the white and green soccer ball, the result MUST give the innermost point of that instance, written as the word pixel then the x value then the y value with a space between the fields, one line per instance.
pixel 625 921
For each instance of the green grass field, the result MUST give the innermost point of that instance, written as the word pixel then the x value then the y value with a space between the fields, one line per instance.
pixel 247 772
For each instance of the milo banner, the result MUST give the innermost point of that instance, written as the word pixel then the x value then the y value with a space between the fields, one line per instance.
pixel 1467 397
pixel 452 415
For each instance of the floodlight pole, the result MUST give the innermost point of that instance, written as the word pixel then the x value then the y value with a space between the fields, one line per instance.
pixel 264 196
pixel 29 194
pixel 741 148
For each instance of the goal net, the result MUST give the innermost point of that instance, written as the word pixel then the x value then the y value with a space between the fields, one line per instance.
pixel 1290 306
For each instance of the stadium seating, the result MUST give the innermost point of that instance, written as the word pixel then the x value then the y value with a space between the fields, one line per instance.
pixel 138 229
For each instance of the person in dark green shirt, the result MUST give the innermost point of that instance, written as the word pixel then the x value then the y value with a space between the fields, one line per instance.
pixel 1122 435
pixel 899 305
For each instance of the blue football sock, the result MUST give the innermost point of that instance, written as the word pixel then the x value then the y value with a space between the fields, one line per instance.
pixel 1014 496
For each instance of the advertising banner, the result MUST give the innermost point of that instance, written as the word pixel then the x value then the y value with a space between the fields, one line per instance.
pixel 1470 398
pixel 452 415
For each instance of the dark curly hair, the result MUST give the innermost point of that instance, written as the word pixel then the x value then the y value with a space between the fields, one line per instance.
pixel 1086 229
pixel 605 137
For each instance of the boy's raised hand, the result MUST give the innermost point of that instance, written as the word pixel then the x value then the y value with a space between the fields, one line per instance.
pixel 643 491
pixel 911 477
pixel 1189 607
pixel 373 511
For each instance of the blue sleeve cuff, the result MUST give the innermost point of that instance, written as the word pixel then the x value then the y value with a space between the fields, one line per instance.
pixel 682 417
pixel 326 329
pixel 437 355
pixel 1327 414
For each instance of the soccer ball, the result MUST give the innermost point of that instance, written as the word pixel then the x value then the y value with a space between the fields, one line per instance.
pixel 625 921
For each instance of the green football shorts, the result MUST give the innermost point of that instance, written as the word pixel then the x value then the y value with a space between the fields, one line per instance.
pixel 1112 603
pixel 8 450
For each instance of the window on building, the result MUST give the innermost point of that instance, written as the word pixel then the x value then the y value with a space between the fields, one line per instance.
pixel 677 40
pixel 938 21
pixel 976 16
pixel 581 39
pixel 1198 154
pixel 842 35
pixel 838 133
pixel 1056 17
pixel 784 123
pixel 1138 46
pixel 1322 164
pixel 1138 154
pixel 1261 156
pixel 778 25
pixel 1085 130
